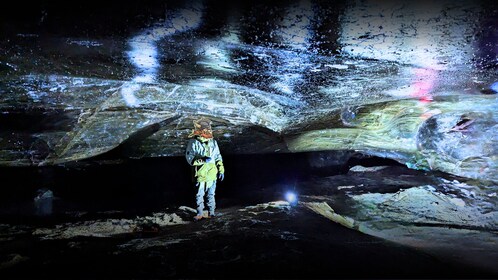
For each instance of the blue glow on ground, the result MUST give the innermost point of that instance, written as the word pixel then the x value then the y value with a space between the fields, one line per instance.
pixel 291 197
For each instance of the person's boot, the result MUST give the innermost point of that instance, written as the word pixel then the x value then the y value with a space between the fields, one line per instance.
pixel 211 215
pixel 197 217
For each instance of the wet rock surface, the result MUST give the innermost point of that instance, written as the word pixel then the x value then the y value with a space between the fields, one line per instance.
pixel 437 214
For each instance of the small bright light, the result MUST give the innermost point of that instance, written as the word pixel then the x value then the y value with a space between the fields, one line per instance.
pixel 291 197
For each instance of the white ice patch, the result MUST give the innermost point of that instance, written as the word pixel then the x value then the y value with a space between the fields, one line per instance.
pixel 107 228
pixel 345 187
pixel 279 204
pixel 215 58
pixel 36 96
pixel 424 205
pixel 128 94
pixel 359 168
pixel 84 43
pixel 285 88
pixel 457 202
pixel 337 66
pixel 145 78
pixel 143 51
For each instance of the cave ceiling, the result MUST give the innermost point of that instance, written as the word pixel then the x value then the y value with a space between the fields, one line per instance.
pixel 414 81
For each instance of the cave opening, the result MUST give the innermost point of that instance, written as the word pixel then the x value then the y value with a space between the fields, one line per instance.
pixel 139 186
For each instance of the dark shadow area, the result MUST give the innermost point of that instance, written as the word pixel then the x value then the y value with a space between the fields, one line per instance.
pixel 140 186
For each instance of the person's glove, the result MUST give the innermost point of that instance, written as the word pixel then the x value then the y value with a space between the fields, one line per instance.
pixel 208 159
pixel 221 176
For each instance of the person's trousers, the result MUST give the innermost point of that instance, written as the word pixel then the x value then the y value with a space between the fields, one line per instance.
pixel 206 188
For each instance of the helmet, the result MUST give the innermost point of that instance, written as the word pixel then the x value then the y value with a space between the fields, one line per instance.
pixel 202 127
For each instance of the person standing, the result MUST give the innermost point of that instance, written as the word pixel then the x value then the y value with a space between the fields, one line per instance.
pixel 203 154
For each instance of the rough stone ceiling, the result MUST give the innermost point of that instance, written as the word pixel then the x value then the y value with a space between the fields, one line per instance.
pixel 408 80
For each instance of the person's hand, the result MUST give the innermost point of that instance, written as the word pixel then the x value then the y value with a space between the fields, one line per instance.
pixel 221 176
pixel 208 159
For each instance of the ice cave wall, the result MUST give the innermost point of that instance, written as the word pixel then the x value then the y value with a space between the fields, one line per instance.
pixel 415 82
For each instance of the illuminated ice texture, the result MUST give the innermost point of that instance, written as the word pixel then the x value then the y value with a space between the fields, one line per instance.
pixel 426 34
pixel 400 81
pixel 143 51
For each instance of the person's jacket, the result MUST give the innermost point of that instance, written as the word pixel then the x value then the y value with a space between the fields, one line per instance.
pixel 198 150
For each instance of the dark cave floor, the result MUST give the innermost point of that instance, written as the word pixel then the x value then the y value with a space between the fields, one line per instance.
pixel 269 240
pixel 257 235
